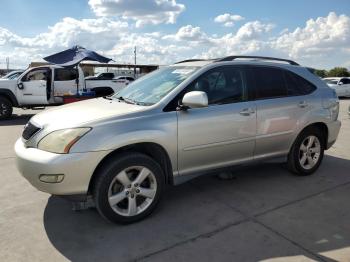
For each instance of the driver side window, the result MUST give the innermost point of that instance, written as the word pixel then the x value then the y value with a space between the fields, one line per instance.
pixel 222 85
pixel 345 81
pixel 36 75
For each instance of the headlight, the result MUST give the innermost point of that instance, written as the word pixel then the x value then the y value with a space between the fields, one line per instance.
pixel 61 141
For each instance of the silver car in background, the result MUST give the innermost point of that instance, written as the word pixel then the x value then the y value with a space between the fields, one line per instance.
pixel 174 124
pixel 341 85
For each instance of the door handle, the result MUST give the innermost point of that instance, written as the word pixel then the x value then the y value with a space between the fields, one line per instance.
pixel 247 111
pixel 303 104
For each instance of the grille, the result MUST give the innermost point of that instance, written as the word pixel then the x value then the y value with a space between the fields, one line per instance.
pixel 29 131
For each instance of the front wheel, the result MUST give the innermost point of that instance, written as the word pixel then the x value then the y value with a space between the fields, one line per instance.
pixel 128 188
pixel 307 152
pixel 5 108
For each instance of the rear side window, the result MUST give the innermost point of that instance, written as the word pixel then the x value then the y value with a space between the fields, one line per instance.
pixel 65 74
pixel 296 85
pixel 269 82
pixel 107 76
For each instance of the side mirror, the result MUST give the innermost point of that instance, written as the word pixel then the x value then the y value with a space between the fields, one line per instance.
pixel 195 99
pixel 340 83
pixel 20 86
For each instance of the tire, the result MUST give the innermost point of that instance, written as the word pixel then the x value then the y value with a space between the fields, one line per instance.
pixel 300 150
pixel 5 108
pixel 116 183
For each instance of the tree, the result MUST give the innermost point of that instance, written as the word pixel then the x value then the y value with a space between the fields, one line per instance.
pixel 339 72
pixel 321 73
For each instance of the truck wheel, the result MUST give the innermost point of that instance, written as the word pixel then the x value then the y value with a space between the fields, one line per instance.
pixel 307 152
pixel 127 189
pixel 5 108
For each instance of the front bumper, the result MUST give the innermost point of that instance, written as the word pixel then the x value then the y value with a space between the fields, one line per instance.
pixel 77 168
pixel 333 131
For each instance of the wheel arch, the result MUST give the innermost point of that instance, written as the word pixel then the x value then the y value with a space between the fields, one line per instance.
pixel 153 150
pixel 9 95
pixel 319 125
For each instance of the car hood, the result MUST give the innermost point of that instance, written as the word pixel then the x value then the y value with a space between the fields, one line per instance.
pixel 5 82
pixel 85 113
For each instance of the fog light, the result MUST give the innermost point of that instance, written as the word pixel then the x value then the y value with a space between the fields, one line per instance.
pixel 51 178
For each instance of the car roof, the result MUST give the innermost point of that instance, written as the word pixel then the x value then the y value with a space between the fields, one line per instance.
pixel 241 62
pixel 235 59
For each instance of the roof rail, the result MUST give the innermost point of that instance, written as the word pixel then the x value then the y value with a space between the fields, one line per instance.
pixel 192 60
pixel 230 58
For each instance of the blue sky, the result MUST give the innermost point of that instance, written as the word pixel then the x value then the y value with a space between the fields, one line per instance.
pixel 25 29
pixel 287 14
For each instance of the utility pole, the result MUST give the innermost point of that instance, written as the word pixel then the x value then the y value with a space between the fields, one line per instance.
pixel 8 64
pixel 135 62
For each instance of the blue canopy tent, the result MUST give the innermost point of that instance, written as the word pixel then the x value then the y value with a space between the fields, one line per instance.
pixel 73 56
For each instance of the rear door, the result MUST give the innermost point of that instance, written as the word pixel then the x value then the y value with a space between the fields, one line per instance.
pixel 65 81
pixel 222 133
pixel 283 99
pixel 33 87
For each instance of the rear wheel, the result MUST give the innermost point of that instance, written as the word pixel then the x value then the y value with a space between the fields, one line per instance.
pixel 5 108
pixel 129 188
pixel 307 152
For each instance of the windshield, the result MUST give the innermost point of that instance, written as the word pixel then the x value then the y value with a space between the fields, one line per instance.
pixel 12 75
pixel 150 89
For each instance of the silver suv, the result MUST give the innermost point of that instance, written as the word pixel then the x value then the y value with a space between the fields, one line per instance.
pixel 181 121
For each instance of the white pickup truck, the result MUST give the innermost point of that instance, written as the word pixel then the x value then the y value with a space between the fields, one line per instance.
pixel 47 85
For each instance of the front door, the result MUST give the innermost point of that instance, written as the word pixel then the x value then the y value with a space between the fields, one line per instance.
pixel 33 87
pixel 222 133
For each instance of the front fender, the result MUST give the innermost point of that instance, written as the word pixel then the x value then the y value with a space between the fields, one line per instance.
pixel 160 129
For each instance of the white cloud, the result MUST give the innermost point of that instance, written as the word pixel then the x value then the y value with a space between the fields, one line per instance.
pixel 254 30
pixel 189 33
pixel 228 20
pixel 323 42
pixel 323 36
pixel 143 12
pixel 98 34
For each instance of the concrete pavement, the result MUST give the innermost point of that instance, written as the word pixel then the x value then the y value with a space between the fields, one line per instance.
pixel 265 213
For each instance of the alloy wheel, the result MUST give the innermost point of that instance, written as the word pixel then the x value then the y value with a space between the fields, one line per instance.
pixel 132 191
pixel 309 152
pixel 3 109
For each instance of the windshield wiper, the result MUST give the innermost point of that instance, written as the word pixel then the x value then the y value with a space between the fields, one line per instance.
pixel 133 102
pixel 126 100
pixel 107 97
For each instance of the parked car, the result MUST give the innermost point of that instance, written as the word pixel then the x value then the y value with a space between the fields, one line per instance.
pixel 341 85
pixel 12 75
pixel 174 124
pixel 101 76
pixel 124 79
pixel 46 85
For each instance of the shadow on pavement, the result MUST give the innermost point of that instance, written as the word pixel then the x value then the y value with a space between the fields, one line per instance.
pixel 16 120
pixel 307 210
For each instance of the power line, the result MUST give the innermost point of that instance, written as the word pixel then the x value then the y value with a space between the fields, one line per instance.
pixel 135 61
